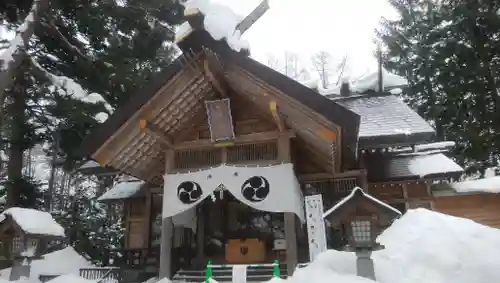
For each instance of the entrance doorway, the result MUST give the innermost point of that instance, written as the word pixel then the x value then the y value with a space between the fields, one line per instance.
pixel 235 233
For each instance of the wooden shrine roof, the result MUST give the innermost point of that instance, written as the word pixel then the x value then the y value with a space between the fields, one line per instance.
pixel 174 100
pixel 386 120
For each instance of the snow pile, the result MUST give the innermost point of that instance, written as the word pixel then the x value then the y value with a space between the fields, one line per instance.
pixel 220 22
pixel 487 185
pixel 320 274
pixel 33 221
pixel 70 278
pixel 421 246
pixel 65 261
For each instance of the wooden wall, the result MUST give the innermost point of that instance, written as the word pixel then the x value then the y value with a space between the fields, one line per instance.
pixel 402 196
pixel 482 208
pixel 135 223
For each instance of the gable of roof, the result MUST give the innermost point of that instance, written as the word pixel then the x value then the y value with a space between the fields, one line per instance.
pixel 140 97
pixel 337 114
pixel 386 120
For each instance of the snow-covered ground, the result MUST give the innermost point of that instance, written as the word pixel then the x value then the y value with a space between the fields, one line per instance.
pixel 65 261
pixel 422 246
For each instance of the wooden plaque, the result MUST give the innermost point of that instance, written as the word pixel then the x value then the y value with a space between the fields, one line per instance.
pixel 220 120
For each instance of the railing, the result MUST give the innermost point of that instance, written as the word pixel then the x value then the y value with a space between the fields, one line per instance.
pixel 114 275
pixel 45 278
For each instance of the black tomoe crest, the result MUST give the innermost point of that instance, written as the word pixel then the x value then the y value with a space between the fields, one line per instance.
pixel 189 192
pixel 255 189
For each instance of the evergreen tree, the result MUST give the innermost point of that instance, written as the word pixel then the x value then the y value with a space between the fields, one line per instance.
pixel 449 53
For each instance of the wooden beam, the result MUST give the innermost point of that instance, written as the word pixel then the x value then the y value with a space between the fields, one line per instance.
pixel 340 175
pixel 254 137
pixel 213 80
pixel 153 130
pixel 276 116
pixel 249 20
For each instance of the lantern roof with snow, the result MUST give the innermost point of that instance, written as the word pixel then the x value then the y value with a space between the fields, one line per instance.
pixel 358 203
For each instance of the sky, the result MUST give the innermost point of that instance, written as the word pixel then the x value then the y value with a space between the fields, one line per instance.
pixel 340 27
pixel 306 27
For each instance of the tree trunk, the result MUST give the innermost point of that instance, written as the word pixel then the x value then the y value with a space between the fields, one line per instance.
pixel 17 49
pixel 16 149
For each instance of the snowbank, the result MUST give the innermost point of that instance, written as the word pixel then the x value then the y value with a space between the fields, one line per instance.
pixel 33 221
pixel 220 22
pixel 65 261
pixel 487 185
pixel 71 278
pixel 421 246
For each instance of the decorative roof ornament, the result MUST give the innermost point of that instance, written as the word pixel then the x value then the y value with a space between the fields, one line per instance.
pixel 219 21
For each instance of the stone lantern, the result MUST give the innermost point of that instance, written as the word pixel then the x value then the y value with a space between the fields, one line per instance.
pixel 363 218
pixel 22 231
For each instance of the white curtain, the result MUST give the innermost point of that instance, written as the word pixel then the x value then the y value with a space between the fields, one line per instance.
pixel 267 188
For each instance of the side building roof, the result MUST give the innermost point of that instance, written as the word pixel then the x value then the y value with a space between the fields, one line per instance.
pixel 386 120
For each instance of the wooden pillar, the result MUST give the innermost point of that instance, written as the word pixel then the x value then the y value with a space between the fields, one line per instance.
pixel 147 218
pixel 200 236
pixel 363 180
pixel 291 243
pixel 167 229
pixel 290 229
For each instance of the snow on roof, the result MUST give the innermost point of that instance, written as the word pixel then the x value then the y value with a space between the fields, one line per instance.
pixel 487 185
pixel 220 22
pixel 358 190
pixel 435 145
pixel 429 163
pixel 421 246
pixel 368 81
pixel 122 190
pixel 33 221
pixel 90 164
pixel 71 278
pixel 65 261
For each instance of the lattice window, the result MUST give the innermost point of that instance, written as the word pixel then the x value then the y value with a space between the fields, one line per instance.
pixel 333 190
pixel 333 149
pixel 17 245
pixel 197 158
pixel 252 152
pixel 361 231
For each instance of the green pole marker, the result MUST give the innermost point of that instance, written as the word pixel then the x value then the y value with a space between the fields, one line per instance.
pixel 276 269
pixel 208 273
